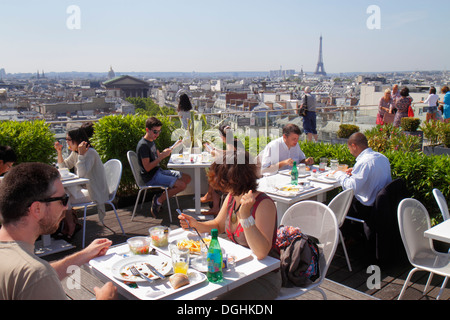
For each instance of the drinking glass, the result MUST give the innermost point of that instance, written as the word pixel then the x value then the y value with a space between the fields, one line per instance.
pixel 180 259
pixel 322 164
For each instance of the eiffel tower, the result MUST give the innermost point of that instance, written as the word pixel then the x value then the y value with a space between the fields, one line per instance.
pixel 320 70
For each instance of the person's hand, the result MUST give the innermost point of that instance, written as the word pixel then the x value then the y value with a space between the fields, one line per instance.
pixel 83 148
pixel 58 147
pixel 97 248
pixel 107 292
pixel 165 153
pixel 309 161
pixel 349 171
pixel 287 162
pixel 185 219
pixel 247 202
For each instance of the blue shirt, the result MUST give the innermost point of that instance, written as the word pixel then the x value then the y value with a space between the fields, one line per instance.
pixel 371 173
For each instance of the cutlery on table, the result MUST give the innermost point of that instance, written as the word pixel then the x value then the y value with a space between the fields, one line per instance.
pixel 136 273
pixel 193 228
pixel 153 269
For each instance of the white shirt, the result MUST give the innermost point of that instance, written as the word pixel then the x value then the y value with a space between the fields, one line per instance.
pixel 431 100
pixel 277 151
pixel 371 173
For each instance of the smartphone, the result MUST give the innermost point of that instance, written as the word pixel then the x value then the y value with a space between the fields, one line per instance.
pixel 208 147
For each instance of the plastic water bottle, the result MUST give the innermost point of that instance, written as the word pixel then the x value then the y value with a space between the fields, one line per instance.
pixel 294 174
pixel 214 259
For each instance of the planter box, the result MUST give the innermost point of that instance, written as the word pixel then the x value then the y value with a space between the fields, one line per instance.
pixel 339 141
pixel 441 150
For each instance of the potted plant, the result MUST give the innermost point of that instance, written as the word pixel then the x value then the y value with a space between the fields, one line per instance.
pixel 344 132
pixel 410 126
pixel 445 137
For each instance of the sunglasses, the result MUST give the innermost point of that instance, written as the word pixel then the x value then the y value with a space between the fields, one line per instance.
pixel 64 199
pixel 156 131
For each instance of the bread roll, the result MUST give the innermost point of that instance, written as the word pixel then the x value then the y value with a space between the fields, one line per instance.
pixel 178 280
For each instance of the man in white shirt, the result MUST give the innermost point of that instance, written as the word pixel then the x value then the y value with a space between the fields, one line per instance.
pixel 371 173
pixel 281 153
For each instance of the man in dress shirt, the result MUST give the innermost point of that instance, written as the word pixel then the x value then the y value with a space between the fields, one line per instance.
pixel 281 153
pixel 371 173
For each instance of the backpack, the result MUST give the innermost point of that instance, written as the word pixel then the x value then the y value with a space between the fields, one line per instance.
pixel 299 257
pixel 303 108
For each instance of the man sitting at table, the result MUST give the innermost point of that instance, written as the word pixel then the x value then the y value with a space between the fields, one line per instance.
pixel 281 153
pixel 371 173
pixel 32 203
pixel 149 158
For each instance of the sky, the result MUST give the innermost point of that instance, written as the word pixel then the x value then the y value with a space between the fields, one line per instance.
pixel 216 36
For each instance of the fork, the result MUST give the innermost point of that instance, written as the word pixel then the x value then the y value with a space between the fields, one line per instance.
pixel 136 273
pixel 193 228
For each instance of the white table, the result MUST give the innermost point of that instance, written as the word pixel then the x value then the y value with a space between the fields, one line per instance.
pixel 439 232
pixel 47 245
pixel 197 166
pixel 247 269
pixel 318 190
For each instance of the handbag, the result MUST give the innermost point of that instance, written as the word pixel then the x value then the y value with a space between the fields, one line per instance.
pixel 388 118
pixel 304 108
pixel 410 112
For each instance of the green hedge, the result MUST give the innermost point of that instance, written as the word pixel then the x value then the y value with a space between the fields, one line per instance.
pixel 32 141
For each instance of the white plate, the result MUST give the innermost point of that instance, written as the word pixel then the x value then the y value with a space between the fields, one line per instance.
pixel 323 179
pixel 69 176
pixel 120 269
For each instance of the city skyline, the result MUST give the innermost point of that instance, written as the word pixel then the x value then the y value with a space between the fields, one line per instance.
pixel 210 36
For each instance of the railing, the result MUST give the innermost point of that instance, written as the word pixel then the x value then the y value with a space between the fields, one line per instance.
pixel 271 122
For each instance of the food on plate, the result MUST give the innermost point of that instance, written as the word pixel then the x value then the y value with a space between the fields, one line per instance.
pixel 290 188
pixel 126 273
pixel 178 280
pixel 194 246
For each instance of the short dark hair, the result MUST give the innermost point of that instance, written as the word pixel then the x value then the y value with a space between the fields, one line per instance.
pixel 152 122
pixel 404 92
pixel 445 89
pixel 236 173
pixel 7 154
pixel 291 128
pixel 25 183
pixel 358 139
pixel 432 90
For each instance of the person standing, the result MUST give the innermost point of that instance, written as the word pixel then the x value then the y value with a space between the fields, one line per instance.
pixel 402 105
pixel 384 106
pixel 149 158
pixel 184 110
pixel 432 101
pixel 309 121
pixel 446 104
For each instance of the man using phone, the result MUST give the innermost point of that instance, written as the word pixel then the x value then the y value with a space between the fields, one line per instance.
pixel 149 158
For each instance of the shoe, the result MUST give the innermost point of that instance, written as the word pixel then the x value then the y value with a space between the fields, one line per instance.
pixel 156 208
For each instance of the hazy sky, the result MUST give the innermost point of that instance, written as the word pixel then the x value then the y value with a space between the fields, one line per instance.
pixel 227 35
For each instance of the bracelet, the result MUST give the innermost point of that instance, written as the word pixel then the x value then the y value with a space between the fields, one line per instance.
pixel 247 223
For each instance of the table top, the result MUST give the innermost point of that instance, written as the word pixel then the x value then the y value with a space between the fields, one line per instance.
pixel 73 181
pixel 247 268
pixel 267 184
pixel 439 232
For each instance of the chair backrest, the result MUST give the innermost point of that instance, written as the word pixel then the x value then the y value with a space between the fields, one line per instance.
pixel 135 168
pixel 317 220
pixel 113 172
pixel 340 205
pixel 442 203
pixel 413 221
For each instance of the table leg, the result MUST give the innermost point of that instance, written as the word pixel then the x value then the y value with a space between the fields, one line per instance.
pixel 197 189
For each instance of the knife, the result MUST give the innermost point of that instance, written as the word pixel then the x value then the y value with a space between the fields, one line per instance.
pixel 153 269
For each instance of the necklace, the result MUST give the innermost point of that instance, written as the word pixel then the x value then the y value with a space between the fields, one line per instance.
pixel 233 215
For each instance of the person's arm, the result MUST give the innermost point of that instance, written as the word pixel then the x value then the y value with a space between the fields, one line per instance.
pixel 259 235
pixel 150 165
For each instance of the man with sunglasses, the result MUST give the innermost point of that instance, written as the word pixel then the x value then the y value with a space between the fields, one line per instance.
pixel 149 158
pixel 32 203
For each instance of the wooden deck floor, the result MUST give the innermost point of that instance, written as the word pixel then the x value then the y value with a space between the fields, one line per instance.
pixel 341 284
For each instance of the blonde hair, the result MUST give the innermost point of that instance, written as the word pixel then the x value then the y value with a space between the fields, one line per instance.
pixel 387 91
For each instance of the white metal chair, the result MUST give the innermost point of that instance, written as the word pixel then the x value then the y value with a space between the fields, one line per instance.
pixel 413 220
pixel 317 220
pixel 113 173
pixel 442 203
pixel 340 205
pixel 133 160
